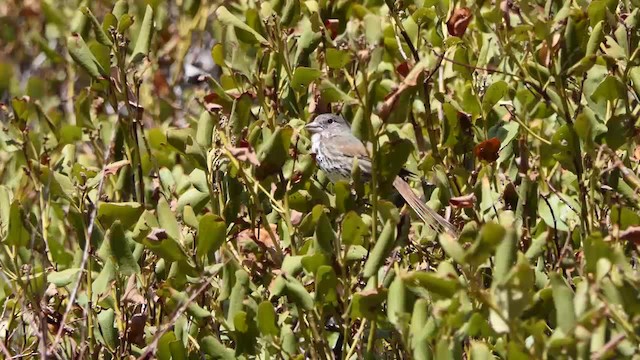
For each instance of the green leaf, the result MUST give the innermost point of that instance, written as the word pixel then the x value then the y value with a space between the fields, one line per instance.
pixel 597 10
pixel 397 303
pixel 494 93
pixel 297 294
pixel 214 348
pixel 212 233
pixel 609 89
pixel 120 8
pixel 143 40
pixel 120 250
pixel 453 249
pixel 368 303
pixel 64 277
pixel 311 263
pixel 563 302
pixel 18 235
pixel 217 53
pixel 303 76
pixel 125 23
pixel 564 145
pixel 353 229
pixel 127 213
pixel 101 36
pixel 337 59
pixel 229 19
pixel 491 235
pixel 372 29
pixel 179 298
pixel 393 155
pixel 480 351
pixel 595 39
pixel 434 283
pixel 5 209
pixel 204 132
pixel 80 53
pixel 381 248
pixel 331 93
pixel 325 237
pixel 107 333
pixel 267 319
pixel 274 152
pixel 238 293
pixel 588 126
pixel 326 285
pixel 167 219
pixel 70 134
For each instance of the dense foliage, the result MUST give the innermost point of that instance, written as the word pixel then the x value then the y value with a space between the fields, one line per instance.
pixel 159 198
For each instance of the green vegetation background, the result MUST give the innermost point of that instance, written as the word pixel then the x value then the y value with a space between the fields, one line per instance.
pixel 158 197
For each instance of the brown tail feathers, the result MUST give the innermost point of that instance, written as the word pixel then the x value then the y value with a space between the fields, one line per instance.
pixel 428 215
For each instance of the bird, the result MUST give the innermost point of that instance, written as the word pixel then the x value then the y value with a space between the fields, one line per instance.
pixel 336 149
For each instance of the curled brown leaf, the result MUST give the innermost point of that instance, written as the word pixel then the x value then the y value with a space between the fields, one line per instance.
pixel 245 154
pixel 459 21
pixel 464 201
pixel 409 82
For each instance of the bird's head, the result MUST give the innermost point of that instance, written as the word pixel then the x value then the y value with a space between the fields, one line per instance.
pixel 325 122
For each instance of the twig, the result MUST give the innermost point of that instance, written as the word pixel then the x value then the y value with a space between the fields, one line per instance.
pixel 356 339
pixel 89 232
pixel 555 224
pixel 528 129
pixel 608 346
pixel 168 325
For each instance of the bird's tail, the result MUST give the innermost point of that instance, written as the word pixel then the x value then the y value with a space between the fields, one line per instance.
pixel 428 215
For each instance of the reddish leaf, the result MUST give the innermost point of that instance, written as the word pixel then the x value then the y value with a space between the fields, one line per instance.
pixel 459 20
pixel 488 150
pixel 403 69
pixel 332 25
pixel 160 84
pixel 632 233
pixel 210 102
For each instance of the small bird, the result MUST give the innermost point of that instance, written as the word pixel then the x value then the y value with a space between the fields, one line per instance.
pixel 336 148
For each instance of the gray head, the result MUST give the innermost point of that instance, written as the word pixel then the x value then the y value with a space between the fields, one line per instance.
pixel 328 121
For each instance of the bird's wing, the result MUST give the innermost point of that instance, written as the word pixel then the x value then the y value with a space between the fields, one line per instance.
pixel 353 147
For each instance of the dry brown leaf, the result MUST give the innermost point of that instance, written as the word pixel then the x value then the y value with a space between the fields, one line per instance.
pixel 210 102
pixel 160 84
pixel 464 201
pixel 157 234
pixel 260 237
pixel 459 20
pixel 545 55
pixel 245 154
pixel 488 150
pixel 410 81
pixel 131 294
pixel 632 233
pixel 135 330
pixel 113 168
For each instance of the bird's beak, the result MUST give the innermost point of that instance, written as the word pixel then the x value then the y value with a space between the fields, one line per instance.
pixel 312 127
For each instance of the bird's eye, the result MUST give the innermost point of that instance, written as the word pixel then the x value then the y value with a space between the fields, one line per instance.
pixel 330 121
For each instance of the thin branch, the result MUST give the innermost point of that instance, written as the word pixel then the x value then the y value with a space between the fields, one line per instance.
pixel 85 255
pixel 168 325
